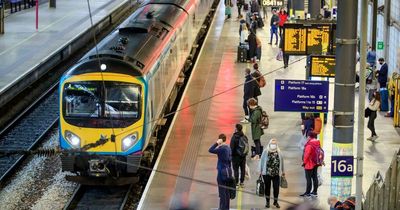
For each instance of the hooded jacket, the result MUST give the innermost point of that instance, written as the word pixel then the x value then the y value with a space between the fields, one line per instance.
pixel 310 151
pixel 235 143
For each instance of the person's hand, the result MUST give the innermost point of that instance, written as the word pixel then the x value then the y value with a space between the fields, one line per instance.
pixel 283 174
pixel 302 165
pixel 219 141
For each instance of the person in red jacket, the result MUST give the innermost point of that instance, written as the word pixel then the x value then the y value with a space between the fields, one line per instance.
pixel 309 163
pixel 283 16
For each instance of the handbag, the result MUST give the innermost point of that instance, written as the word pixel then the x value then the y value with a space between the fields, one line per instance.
pixel 260 186
pixel 367 112
pixel 283 182
pixel 279 56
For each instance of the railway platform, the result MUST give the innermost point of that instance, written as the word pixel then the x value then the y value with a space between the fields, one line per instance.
pixel 195 129
pixel 26 53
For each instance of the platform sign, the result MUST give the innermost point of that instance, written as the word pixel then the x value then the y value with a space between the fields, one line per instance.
pixel 295 39
pixel 380 45
pixel 318 39
pixel 322 66
pixel 342 166
pixel 301 96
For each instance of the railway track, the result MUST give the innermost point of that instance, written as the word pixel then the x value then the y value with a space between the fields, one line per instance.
pixel 94 197
pixel 28 130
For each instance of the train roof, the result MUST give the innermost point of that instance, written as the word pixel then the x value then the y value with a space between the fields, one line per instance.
pixel 145 34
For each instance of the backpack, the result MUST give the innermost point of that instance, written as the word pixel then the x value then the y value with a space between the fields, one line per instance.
pixel 317 125
pixel 243 146
pixel 264 119
pixel 259 78
pixel 319 156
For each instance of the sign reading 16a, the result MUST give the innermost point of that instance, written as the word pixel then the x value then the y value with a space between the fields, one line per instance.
pixel 342 166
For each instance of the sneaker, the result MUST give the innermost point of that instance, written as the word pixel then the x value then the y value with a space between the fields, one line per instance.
pixel 276 204
pixel 244 121
pixel 370 138
pixel 374 138
pixel 270 43
pixel 305 195
pixel 267 205
pixel 313 194
pixel 242 185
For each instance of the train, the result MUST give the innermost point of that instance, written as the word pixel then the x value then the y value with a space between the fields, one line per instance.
pixel 111 101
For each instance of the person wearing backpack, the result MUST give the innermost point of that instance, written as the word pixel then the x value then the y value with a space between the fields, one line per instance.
pixel 240 149
pixel 258 76
pixel 256 129
pixel 310 156
pixel 271 167
pixel 250 90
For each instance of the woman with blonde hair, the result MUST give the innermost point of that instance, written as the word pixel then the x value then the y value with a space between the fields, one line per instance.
pixel 271 167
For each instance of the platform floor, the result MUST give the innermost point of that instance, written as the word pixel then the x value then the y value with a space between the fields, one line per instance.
pixel 195 129
pixel 22 47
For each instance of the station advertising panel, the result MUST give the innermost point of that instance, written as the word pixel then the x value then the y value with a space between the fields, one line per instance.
pixel 322 66
pixel 318 38
pixel 295 39
pixel 301 96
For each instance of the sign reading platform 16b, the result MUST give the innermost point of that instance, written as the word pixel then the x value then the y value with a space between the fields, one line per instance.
pixel 342 166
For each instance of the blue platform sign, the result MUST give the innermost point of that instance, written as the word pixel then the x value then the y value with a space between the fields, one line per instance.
pixel 301 96
pixel 342 166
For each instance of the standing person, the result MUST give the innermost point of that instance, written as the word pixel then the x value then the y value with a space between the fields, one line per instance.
pixel 284 55
pixel 240 149
pixel 282 19
pixel 228 9
pixel 254 7
pixel 373 106
pixel 382 80
pixel 251 90
pixel 264 5
pixel 256 130
pixel 274 23
pixel 259 79
pixel 271 167
pixel 239 5
pixel 244 33
pixel 371 57
pixel 391 87
pixel 309 164
pixel 252 40
pixel 224 154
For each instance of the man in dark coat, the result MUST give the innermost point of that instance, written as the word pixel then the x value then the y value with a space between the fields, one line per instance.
pixel 382 79
pixel 252 39
pixel 238 159
pixel 251 90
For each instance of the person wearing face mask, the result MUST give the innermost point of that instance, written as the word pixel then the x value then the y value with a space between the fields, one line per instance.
pixel 271 167
pixel 334 203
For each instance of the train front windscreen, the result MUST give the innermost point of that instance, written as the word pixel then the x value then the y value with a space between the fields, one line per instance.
pixel 98 104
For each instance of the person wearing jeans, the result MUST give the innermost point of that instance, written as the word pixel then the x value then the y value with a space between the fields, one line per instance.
pixel 271 167
pixel 309 164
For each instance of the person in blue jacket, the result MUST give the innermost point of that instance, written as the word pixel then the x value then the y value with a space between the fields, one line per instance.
pixel 224 154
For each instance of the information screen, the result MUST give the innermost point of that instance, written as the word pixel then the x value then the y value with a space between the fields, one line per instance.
pixel 323 66
pixel 295 39
pixel 318 39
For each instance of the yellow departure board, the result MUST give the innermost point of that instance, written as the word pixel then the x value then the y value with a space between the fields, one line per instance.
pixel 318 39
pixel 295 39
pixel 323 66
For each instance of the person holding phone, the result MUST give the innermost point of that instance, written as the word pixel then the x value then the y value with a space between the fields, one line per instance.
pixel 224 153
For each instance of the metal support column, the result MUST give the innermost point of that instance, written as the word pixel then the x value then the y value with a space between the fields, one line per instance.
pixel 386 26
pixel 1 17
pixel 52 3
pixel 374 23
pixel 361 103
pixel 314 8
pixel 298 8
pixel 343 111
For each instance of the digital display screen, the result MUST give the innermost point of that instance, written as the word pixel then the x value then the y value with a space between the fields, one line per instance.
pixel 323 66
pixel 318 39
pixel 295 39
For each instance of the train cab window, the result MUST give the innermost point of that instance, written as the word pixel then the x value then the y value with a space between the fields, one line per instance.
pixel 94 104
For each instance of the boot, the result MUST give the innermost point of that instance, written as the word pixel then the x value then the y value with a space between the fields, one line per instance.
pixel 276 204
pixel 267 203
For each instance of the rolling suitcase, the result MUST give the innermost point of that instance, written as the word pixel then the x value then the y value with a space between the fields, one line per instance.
pixel 242 54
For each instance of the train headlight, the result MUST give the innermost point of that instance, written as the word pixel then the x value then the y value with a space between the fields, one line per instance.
pixel 73 139
pixel 129 141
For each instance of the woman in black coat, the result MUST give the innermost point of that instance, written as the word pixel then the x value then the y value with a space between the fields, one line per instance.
pixel 252 45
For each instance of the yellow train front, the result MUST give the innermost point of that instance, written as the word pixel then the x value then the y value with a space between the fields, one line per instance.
pixel 102 119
